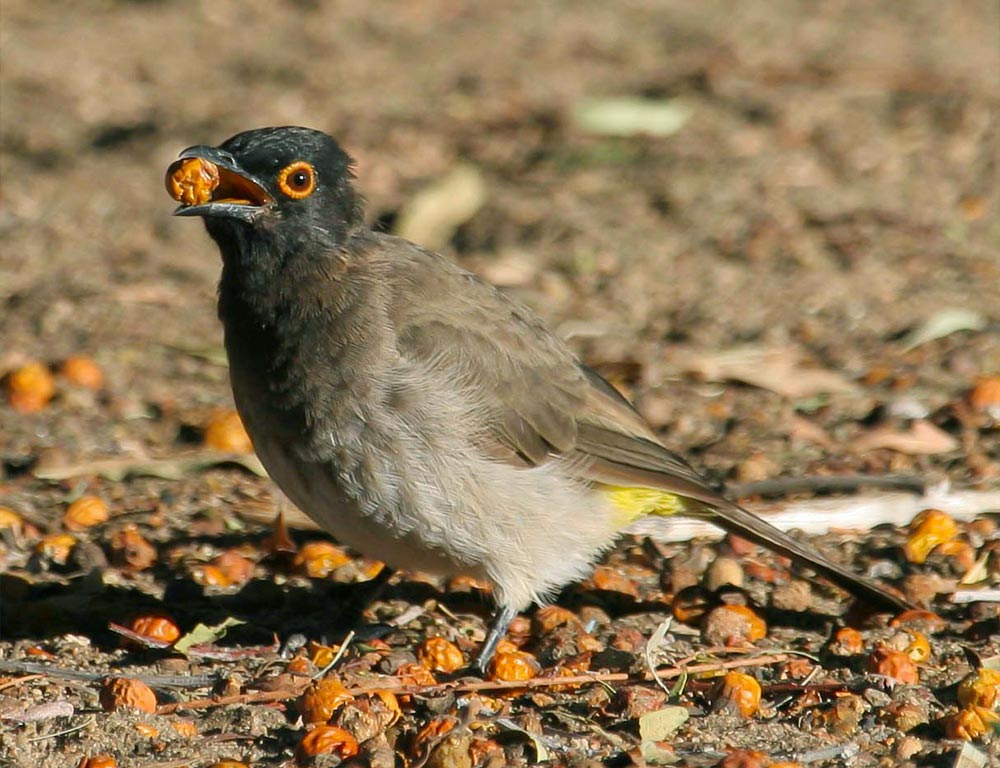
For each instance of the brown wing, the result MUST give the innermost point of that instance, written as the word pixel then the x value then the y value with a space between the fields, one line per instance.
pixel 525 380
pixel 540 402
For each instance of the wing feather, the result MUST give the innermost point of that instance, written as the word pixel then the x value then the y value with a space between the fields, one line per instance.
pixel 538 402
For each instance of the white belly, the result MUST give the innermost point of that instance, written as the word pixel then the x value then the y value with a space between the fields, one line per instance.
pixel 421 498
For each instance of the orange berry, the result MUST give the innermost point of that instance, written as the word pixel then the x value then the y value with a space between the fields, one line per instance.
pixel 733 625
pixel 129 548
pixel 415 673
pixel 486 751
pixel 86 512
pixel 322 699
pixel 98 761
pixel 967 724
pixel 320 558
pixel 985 396
pixel 514 665
pixel 506 646
pixel 369 569
pixel 737 693
pixel 980 688
pixel 322 655
pixel 610 580
pixel 466 583
pixel 299 665
pixel 797 668
pixel 147 730
pixel 30 388
pixel 690 605
pixel 435 728
pixel 744 758
pixel 10 519
pixel 919 648
pixel 56 547
pixel 391 702
pixel 192 180
pixel 926 620
pixel 549 617
pixel 83 372
pixel 209 575
pixel 895 664
pixel 928 529
pixel 225 432
pixel 847 641
pixel 236 568
pixel 123 692
pixel 160 628
pixel 328 739
pixel 962 553
pixel 185 728
pixel 440 655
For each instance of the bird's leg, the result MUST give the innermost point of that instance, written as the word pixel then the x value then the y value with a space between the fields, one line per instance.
pixel 501 621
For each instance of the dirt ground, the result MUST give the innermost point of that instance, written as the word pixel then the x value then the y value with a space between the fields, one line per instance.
pixel 827 206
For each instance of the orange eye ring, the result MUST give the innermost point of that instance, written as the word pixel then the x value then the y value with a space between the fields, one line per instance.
pixel 297 180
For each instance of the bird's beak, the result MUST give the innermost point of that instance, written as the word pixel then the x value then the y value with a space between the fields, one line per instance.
pixel 208 182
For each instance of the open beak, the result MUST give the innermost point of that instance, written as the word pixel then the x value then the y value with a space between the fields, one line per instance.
pixel 208 182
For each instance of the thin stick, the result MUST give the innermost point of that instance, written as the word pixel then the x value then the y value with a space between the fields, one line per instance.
pixel 260 697
pixel 163 681
pixel 20 680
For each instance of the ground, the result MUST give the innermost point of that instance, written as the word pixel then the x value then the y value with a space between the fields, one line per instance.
pixel 827 197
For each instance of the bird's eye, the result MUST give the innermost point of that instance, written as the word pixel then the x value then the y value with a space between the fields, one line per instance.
pixel 297 180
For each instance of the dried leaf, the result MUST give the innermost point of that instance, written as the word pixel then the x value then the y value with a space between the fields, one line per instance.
pixel 431 217
pixel 39 712
pixel 203 634
pixel 779 369
pixel 541 753
pixel 628 116
pixel 922 438
pixel 944 323
pixel 660 723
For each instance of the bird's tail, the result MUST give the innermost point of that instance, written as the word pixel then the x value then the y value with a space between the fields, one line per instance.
pixel 635 503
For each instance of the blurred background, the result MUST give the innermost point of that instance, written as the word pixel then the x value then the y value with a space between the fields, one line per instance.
pixel 773 223
pixel 665 182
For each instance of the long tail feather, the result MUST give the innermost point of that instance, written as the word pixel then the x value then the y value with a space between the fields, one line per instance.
pixel 735 519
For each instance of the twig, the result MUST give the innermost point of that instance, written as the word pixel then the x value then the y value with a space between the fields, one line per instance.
pixel 966 596
pixel 85 724
pixel 144 640
pixel 20 681
pixel 161 681
pixel 337 656
pixel 472 686
pixel 258 697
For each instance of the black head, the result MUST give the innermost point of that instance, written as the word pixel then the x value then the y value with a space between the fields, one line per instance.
pixel 283 188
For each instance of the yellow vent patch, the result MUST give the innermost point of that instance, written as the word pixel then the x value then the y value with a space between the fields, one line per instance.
pixel 631 502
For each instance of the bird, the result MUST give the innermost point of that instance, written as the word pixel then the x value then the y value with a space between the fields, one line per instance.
pixel 415 411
